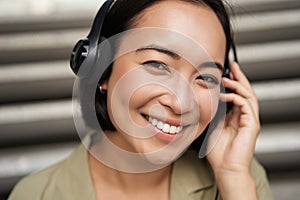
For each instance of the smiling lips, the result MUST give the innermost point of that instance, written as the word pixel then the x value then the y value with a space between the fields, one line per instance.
pixel 165 127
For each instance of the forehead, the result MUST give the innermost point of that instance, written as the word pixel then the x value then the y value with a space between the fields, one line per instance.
pixel 163 40
pixel 195 21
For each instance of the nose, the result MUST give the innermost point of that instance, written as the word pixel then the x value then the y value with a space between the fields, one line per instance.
pixel 180 97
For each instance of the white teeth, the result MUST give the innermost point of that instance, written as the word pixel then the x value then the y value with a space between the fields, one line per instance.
pixel 173 129
pixel 160 125
pixel 178 129
pixel 167 128
pixel 154 122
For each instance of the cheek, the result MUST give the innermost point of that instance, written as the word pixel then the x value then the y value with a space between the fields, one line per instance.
pixel 137 98
pixel 130 99
pixel 122 108
pixel 208 102
pixel 117 100
pixel 143 96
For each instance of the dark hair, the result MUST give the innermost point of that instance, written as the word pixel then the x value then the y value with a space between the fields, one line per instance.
pixel 121 17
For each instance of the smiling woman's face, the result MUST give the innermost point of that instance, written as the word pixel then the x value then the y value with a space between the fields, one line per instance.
pixel 164 91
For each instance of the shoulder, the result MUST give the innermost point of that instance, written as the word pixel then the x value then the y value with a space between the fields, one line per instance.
pixel 60 181
pixel 33 186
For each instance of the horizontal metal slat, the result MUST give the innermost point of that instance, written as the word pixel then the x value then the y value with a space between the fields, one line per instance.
pixel 257 6
pixel 279 100
pixel 269 51
pixel 45 23
pixel 37 122
pixel 270 60
pixel 38 46
pixel 38 90
pixel 267 26
pixel 34 72
pixel 18 162
pixel 40 40
pixel 35 81
pixel 279 138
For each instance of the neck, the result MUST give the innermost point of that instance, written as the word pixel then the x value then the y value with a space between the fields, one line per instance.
pixel 129 182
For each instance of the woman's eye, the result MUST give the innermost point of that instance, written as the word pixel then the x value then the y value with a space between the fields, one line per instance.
pixel 157 65
pixel 209 79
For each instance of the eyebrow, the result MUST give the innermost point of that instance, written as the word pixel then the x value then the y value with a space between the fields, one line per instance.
pixel 213 65
pixel 161 50
pixel 175 56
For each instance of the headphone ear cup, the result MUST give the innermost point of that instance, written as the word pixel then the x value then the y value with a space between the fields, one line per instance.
pixel 84 47
pixel 79 54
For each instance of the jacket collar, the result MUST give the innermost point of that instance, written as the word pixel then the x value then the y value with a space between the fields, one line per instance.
pixel 190 175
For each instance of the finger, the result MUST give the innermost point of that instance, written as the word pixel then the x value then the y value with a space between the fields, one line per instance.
pixel 233 118
pixel 238 88
pixel 247 114
pixel 240 76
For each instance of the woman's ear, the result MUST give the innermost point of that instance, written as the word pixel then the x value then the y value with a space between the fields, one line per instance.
pixel 103 85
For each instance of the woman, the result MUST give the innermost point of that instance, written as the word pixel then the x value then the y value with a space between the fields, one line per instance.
pixel 162 92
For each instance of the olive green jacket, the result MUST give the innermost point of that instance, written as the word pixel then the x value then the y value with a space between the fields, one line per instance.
pixel 70 179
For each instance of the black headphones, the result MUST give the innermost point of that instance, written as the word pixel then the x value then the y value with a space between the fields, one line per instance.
pixel 84 46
